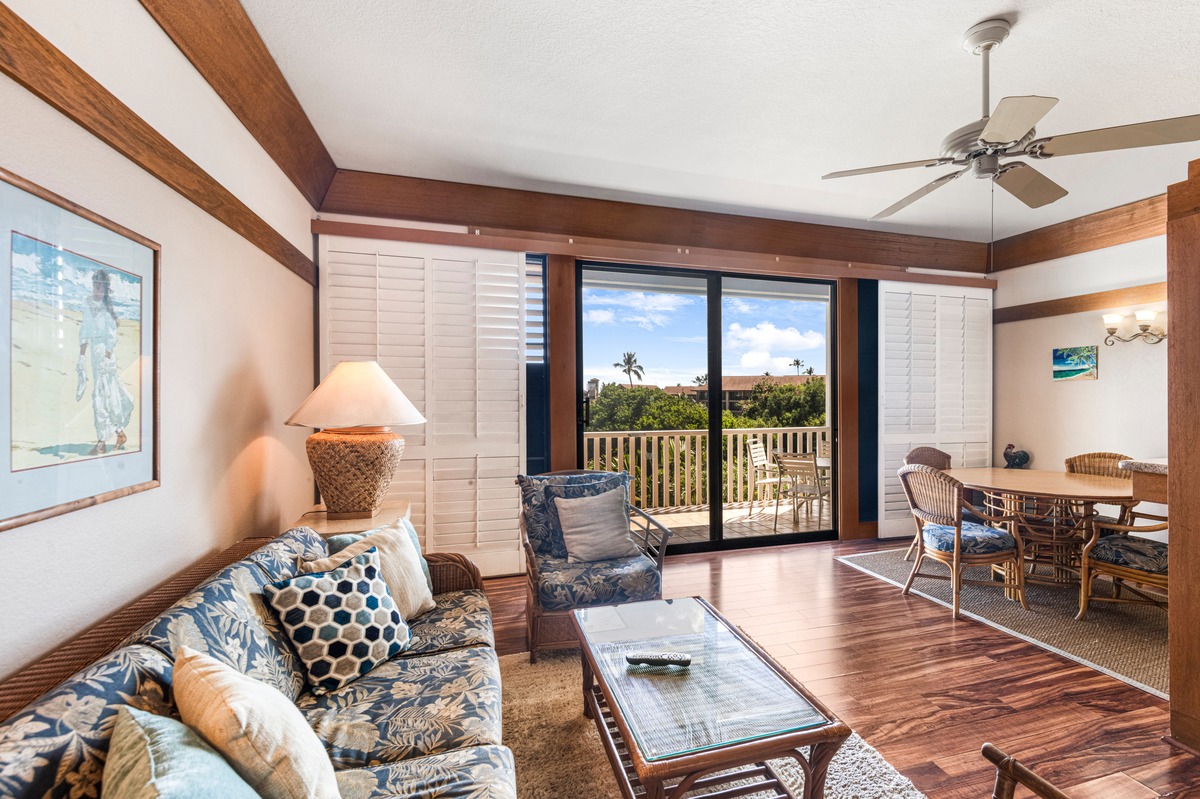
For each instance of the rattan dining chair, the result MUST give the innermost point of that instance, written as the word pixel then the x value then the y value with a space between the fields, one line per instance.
pixel 799 481
pixel 766 473
pixel 937 504
pixel 934 457
pixel 1124 559
pixel 1104 464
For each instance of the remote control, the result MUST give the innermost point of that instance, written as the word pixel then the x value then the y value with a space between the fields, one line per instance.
pixel 659 659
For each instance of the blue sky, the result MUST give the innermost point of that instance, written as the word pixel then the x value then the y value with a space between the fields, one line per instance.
pixel 667 331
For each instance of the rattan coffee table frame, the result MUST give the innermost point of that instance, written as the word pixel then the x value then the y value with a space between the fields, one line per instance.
pixel 673 777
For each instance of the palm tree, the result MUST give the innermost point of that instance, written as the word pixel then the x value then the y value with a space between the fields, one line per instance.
pixel 700 380
pixel 629 365
pixel 810 371
pixel 799 364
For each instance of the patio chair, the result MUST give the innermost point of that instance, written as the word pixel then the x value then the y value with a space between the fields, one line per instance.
pixel 799 481
pixel 556 585
pixel 765 472
pixel 1010 773
pixel 937 504
pixel 1125 559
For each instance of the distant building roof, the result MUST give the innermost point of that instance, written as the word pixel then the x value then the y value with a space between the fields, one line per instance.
pixel 743 383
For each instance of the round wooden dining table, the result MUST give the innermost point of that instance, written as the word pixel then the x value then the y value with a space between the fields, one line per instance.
pixel 1052 512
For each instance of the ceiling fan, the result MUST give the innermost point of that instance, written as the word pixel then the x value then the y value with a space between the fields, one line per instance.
pixel 1008 132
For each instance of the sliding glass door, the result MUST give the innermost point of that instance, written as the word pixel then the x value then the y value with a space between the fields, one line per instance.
pixel 702 386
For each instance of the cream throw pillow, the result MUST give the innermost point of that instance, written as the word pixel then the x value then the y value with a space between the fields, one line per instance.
pixel 258 729
pixel 399 565
pixel 596 528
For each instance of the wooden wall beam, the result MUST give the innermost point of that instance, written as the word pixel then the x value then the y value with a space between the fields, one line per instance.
pixel 219 39
pixel 1133 221
pixel 848 511
pixel 1098 301
pixel 644 253
pixel 32 61
pixel 1183 409
pixel 395 197
pixel 561 349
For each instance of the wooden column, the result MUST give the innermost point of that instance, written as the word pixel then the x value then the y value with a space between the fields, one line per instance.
pixel 849 527
pixel 560 348
pixel 1183 409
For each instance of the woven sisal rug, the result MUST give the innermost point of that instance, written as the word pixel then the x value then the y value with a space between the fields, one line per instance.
pixel 559 754
pixel 1128 642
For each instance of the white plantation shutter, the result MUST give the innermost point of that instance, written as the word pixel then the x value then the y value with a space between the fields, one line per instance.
pixel 448 325
pixel 935 383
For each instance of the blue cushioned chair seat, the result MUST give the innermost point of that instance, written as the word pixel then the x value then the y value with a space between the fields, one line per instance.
pixel 478 772
pixel 563 585
pixel 55 747
pixel 977 539
pixel 410 707
pixel 1132 552
pixel 459 619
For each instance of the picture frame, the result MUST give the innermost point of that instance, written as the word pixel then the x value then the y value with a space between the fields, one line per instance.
pixel 79 360
pixel 1074 363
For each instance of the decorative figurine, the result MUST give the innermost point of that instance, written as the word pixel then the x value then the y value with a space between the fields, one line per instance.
pixel 1015 458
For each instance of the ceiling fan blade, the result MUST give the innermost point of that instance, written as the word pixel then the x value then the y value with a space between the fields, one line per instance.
pixel 1029 186
pixel 1121 137
pixel 887 168
pixel 916 195
pixel 1014 117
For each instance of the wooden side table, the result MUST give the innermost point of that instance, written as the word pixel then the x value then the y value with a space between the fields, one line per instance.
pixel 317 519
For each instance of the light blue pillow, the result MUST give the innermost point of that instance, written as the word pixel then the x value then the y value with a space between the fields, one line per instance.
pixel 156 757
pixel 337 543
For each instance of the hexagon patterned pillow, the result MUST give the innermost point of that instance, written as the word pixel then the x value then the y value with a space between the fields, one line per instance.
pixel 342 622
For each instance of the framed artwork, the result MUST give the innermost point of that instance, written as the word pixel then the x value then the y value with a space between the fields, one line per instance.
pixel 78 356
pixel 1075 363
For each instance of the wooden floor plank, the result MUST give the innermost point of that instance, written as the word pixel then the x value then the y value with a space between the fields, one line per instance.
pixel 925 690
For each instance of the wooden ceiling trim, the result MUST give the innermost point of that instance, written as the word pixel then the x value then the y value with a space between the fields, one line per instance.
pixel 32 61
pixel 1133 221
pixel 219 39
pixel 1098 301
pixel 646 253
pixel 397 197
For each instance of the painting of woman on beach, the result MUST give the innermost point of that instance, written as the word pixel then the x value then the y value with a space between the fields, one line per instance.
pixel 76 356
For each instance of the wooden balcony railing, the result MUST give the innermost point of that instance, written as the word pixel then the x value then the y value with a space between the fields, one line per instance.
pixel 668 468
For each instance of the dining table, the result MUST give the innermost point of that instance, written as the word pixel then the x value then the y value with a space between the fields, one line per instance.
pixel 1052 512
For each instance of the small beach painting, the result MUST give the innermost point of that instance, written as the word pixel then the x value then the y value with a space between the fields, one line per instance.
pixel 1075 363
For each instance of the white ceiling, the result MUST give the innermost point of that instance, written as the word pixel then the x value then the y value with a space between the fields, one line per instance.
pixel 736 106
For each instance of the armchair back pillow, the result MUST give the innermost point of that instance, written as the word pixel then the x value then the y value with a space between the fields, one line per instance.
pixel 596 527
pixel 600 484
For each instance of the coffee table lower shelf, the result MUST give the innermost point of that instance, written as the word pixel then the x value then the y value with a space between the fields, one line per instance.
pixel 764 778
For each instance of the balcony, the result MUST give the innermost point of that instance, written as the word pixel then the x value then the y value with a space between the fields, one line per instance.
pixel 667 469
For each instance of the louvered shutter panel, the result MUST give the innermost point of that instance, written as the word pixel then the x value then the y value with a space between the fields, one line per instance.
pixel 935 380
pixel 448 325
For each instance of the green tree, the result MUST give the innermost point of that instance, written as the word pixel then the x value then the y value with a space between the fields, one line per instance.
pixel 799 364
pixel 788 405
pixel 701 380
pixel 630 366
pixel 618 408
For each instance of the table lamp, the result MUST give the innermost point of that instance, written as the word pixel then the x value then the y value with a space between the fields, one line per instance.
pixel 355 453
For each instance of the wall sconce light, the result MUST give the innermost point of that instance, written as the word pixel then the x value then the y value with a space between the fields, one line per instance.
pixel 1145 323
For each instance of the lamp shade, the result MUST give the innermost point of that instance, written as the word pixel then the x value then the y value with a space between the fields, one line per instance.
pixel 356 394
pixel 1113 319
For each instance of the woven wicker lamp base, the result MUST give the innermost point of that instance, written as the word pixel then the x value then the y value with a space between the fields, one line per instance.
pixel 354 468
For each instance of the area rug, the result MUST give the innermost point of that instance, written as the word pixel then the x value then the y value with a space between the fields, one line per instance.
pixel 559 754
pixel 1128 642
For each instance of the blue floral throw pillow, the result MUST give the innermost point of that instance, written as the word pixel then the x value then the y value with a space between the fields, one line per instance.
pixel 342 622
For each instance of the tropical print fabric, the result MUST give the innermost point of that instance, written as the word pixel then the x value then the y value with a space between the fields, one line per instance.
pixel 1132 552
pixel 558 544
pixel 460 619
pixel 410 707
pixel 563 585
pixel 280 559
pixel 56 746
pixel 977 539
pixel 478 772
pixel 227 618
pixel 536 513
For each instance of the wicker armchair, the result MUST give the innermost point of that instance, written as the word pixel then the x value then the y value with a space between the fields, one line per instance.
pixel 935 458
pixel 937 504
pixel 1104 464
pixel 1124 559
pixel 1010 773
pixel 556 586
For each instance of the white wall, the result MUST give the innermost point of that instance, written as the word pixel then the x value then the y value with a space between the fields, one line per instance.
pixel 1125 410
pixel 235 342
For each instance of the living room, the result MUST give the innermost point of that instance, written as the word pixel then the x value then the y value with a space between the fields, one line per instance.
pixel 257 157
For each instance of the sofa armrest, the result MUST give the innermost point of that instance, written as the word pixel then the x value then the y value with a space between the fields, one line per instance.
pixel 452 572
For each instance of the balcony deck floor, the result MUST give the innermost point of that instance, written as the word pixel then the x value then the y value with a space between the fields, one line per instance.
pixel 691 526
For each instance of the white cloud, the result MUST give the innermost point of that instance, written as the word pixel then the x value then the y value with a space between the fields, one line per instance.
pixel 766 338
pixel 653 377
pixel 647 311
pixel 738 305
pixel 599 316
pixel 758 361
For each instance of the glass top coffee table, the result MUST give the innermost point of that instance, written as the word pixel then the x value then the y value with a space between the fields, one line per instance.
pixel 667 729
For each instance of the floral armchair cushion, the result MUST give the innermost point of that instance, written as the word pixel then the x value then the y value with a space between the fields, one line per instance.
pixel 56 746
pixel 563 585
pixel 410 707
pixel 977 539
pixel 541 524
pixel 477 772
pixel 227 617
pixel 1132 552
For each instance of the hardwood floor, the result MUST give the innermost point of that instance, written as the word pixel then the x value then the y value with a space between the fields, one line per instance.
pixel 924 690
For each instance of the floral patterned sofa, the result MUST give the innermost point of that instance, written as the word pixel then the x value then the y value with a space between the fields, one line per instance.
pixel 426 723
